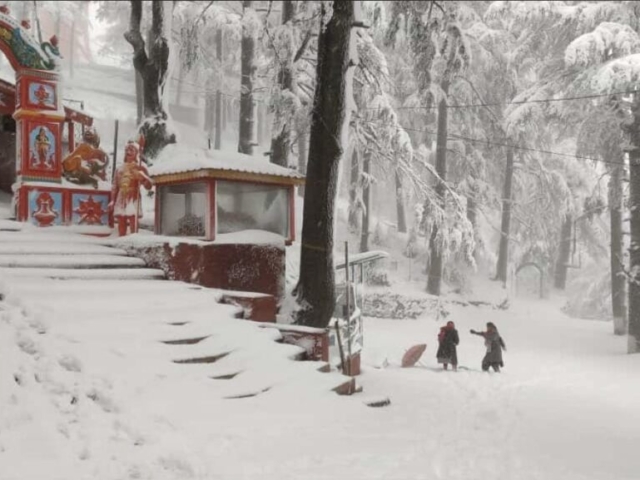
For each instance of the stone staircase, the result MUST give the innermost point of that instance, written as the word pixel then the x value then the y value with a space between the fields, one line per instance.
pixel 109 306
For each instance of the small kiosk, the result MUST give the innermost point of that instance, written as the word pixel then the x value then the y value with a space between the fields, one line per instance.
pixel 213 194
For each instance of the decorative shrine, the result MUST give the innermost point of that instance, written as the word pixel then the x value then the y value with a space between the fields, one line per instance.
pixel 56 182
pixel 210 193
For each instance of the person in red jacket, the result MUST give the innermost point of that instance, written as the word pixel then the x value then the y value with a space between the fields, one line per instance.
pixel 448 340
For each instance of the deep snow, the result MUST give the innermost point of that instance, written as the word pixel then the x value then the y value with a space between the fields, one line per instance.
pixel 565 406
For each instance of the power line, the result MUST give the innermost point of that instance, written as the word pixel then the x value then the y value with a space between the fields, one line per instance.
pixel 515 147
pixel 518 102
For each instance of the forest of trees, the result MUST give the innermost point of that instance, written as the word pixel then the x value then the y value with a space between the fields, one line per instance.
pixel 505 133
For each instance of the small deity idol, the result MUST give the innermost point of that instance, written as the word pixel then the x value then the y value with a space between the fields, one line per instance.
pixel 42 147
pixel 125 194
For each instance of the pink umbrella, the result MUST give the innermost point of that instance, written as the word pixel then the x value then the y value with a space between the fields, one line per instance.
pixel 412 355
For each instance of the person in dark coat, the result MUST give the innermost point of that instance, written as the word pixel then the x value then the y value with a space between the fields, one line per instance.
pixel 448 340
pixel 495 344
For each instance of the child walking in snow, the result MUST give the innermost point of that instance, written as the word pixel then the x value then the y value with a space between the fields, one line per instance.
pixel 447 349
pixel 494 343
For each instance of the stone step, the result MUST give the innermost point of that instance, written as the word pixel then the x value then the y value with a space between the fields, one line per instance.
pixel 85 274
pixel 49 237
pixel 70 261
pixel 115 287
pixel 57 248
pixel 177 306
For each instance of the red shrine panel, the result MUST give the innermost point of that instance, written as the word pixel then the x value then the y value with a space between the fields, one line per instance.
pixel 41 146
pixel 41 95
pixel 47 206
pixel 89 208
pixel 44 207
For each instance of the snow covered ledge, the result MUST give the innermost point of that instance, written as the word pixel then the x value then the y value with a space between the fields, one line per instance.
pixel 249 261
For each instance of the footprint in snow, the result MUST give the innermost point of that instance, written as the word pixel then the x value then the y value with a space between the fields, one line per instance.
pixel 70 363
pixel 103 400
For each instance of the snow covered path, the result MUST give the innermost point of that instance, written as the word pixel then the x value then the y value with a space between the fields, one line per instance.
pixel 564 407
pixel 90 388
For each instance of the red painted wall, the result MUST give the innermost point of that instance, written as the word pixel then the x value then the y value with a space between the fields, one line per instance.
pixel 243 267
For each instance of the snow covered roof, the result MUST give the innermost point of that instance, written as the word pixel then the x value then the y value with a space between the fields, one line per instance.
pixel 176 159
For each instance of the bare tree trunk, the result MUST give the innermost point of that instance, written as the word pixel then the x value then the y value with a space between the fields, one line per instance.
pixel 618 306
pixel 400 213
pixel 634 212
pixel 261 122
pixel 280 143
pixel 436 266
pixel 139 97
pixel 180 85
pixel 245 143
pixel 209 109
pixel 153 69
pixel 366 201
pixel 302 158
pixel 219 106
pixel 472 207
pixel 316 290
pixel 564 254
pixel 354 180
pixel 225 110
pixel 505 228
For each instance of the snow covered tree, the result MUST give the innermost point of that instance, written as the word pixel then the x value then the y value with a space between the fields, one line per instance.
pixel 634 208
pixel 315 291
pixel 453 58
pixel 281 142
pixel 290 47
pixel 151 61
pixel 247 74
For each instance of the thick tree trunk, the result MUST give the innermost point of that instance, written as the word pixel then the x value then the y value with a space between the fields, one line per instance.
pixel 247 112
pixel 366 201
pixel 139 98
pixel 634 214
pixel 564 254
pixel 315 291
pixel 153 69
pixel 436 264
pixel 219 107
pixel 354 180
pixel 505 228
pixel 472 208
pixel 225 110
pixel 281 141
pixel 180 85
pixel 618 305
pixel 400 214
pixel 209 110
pixel 302 158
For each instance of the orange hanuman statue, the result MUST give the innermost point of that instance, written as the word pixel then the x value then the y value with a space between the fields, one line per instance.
pixel 125 194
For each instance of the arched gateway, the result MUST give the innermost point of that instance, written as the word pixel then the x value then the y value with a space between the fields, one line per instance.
pixel 42 196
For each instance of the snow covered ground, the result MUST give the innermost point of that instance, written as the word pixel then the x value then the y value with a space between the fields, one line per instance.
pixel 97 397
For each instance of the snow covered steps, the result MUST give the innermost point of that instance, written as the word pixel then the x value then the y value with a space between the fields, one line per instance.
pixel 67 256
pixel 143 327
pixel 70 261
pixel 85 274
